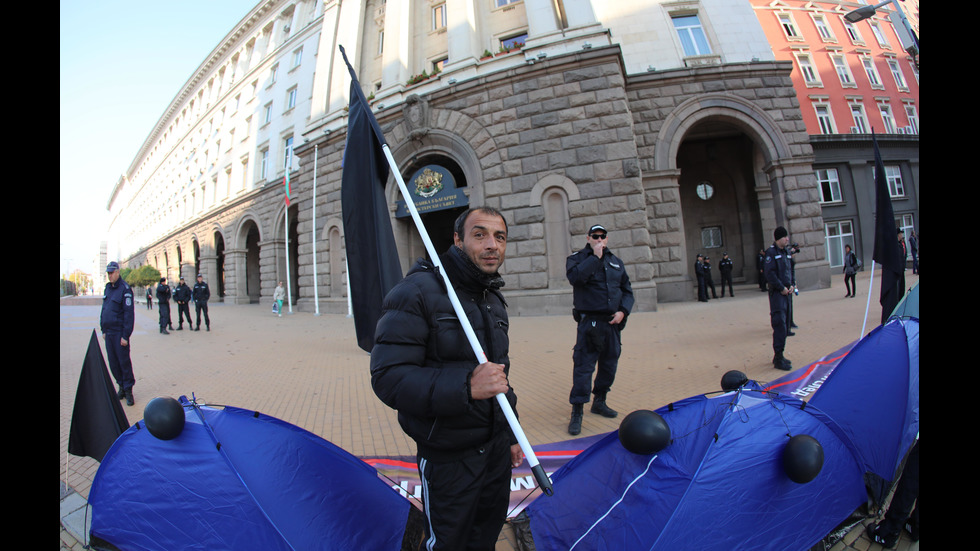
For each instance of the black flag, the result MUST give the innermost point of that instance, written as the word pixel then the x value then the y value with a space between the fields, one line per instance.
pixel 372 259
pixel 97 418
pixel 887 252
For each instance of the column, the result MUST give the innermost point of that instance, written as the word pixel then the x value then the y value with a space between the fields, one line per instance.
pixel 463 33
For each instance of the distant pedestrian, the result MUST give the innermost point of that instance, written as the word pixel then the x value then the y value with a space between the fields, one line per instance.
pixel 149 299
pixel 163 305
pixel 116 322
pixel 760 261
pixel 850 269
pixel 277 296
pixel 201 294
pixel 914 249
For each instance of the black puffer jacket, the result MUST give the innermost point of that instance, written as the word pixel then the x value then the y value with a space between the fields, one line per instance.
pixel 421 358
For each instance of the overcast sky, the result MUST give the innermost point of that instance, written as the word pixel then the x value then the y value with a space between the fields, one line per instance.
pixel 122 63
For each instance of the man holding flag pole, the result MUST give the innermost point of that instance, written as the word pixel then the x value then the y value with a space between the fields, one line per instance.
pixel 443 390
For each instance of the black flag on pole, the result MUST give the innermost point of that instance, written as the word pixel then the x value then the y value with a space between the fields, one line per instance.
pixel 372 259
pixel 97 418
pixel 887 251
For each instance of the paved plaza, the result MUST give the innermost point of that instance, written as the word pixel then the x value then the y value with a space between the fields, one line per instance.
pixel 306 369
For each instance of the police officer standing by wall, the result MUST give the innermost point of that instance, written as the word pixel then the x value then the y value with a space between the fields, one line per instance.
pixel 778 272
pixel 201 294
pixel 699 273
pixel 182 296
pixel 163 305
pixel 603 298
pixel 117 321
pixel 725 267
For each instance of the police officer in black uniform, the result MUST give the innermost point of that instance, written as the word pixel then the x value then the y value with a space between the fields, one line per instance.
pixel 201 294
pixel 699 273
pixel 603 298
pixel 725 267
pixel 182 296
pixel 117 321
pixel 163 305
pixel 778 272
pixel 709 283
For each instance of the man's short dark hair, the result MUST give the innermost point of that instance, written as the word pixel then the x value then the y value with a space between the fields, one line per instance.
pixel 460 223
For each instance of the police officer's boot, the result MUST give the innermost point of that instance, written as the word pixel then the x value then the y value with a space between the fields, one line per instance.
pixel 129 396
pixel 122 392
pixel 163 331
pixel 779 362
pixel 575 426
pixel 599 406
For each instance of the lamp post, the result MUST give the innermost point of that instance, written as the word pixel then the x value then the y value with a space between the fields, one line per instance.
pixel 865 12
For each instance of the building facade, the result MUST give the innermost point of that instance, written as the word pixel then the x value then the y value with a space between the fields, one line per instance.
pixel 673 124
pixel 852 79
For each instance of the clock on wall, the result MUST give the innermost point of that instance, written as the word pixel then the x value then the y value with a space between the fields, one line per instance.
pixel 705 191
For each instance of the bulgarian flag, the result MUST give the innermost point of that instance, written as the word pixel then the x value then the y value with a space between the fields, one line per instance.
pixel 285 183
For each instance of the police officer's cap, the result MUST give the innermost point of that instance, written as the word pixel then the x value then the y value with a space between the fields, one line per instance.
pixel 112 267
pixel 780 233
pixel 200 275
pixel 597 227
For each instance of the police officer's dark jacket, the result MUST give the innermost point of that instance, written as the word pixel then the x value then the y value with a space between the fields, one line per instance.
pixel 421 358
pixel 777 270
pixel 601 284
pixel 163 293
pixel 201 292
pixel 117 316
pixel 182 293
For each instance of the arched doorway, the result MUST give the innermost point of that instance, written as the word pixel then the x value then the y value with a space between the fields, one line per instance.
pixel 718 197
pixel 252 280
pixel 437 216
pixel 219 251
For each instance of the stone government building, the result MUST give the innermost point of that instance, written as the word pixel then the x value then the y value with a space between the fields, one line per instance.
pixel 587 113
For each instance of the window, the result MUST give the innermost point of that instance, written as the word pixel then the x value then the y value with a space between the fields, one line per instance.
pixel 886 118
pixel 381 41
pixel 843 71
pixel 273 74
pixel 291 98
pixel 829 185
pixel 810 75
pixel 789 26
pixel 836 236
pixel 297 57
pixel 288 152
pixel 711 237
pixel 872 72
pixel 897 75
pixel 439 64
pixel 439 17
pixel 825 118
pixel 264 164
pixel 691 34
pixel 879 34
pixel 267 118
pixel 860 121
pixel 516 41
pixel 502 3
pixel 913 117
pixel 823 29
pixel 852 32
pixel 896 188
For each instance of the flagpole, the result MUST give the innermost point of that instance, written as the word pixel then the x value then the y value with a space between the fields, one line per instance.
pixel 289 283
pixel 515 426
pixel 316 294
pixel 871 284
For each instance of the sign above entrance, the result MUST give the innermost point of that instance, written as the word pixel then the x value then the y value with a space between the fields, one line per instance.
pixel 432 188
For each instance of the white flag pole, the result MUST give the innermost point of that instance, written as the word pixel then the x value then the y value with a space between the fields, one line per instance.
pixel 289 291
pixel 515 426
pixel 316 294
pixel 867 306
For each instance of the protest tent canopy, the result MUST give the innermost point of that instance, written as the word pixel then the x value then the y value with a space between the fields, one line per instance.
pixel 240 479
pixel 720 484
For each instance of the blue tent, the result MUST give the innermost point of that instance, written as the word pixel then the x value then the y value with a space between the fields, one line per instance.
pixel 237 479
pixel 874 395
pixel 720 484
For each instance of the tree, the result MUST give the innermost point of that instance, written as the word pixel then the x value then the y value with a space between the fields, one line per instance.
pixel 144 276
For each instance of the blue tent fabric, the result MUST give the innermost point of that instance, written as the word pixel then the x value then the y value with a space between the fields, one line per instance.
pixel 874 394
pixel 237 479
pixel 719 485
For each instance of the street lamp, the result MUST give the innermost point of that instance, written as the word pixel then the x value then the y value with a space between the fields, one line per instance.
pixel 909 40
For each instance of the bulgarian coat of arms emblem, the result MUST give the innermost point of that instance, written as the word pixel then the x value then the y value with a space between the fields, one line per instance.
pixel 428 183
